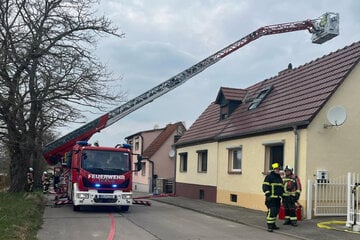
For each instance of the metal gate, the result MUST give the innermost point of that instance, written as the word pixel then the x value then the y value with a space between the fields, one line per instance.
pixel 330 197
pixel 337 197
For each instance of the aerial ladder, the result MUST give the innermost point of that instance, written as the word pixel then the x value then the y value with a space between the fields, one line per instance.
pixel 322 29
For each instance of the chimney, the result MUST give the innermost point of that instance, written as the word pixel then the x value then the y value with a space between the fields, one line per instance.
pixel 289 68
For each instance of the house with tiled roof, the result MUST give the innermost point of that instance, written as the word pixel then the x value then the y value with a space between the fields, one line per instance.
pixel 157 150
pixel 306 117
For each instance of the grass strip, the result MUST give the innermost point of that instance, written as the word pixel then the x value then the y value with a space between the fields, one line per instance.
pixel 20 215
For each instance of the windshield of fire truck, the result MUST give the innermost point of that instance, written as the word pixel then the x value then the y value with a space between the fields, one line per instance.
pixel 105 162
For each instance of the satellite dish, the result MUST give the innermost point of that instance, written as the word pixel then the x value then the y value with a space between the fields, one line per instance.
pixel 172 153
pixel 336 115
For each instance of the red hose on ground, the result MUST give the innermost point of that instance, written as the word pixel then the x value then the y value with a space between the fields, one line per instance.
pixel 112 228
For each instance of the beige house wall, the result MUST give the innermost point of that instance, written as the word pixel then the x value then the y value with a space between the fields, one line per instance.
pixel 248 185
pixel 337 148
pixel 192 175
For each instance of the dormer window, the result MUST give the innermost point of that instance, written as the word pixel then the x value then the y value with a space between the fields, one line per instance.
pixel 224 112
pixel 260 97
pixel 229 99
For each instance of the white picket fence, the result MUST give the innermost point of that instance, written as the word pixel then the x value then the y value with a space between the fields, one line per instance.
pixel 336 197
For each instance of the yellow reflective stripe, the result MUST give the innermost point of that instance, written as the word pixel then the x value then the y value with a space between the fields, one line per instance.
pixel 277 184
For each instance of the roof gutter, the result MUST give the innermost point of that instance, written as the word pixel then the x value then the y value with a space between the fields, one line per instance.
pixel 218 138
pixel 263 131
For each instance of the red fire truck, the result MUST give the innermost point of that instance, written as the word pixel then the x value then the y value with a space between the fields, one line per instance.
pixel 100 175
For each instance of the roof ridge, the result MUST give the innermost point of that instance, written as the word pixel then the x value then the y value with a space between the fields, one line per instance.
pixel 305 64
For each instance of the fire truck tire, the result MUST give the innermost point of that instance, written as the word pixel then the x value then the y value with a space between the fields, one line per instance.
pixel 124 208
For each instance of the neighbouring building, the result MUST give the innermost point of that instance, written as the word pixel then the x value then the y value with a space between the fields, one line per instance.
pixel 306 117
pixel 158 164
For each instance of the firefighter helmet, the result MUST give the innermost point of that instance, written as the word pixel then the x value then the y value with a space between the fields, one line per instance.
pixel 275 165
pixel 45 172
pixel 31 169
pixel 288 168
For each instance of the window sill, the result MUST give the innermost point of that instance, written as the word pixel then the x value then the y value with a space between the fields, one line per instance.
pixel 235 172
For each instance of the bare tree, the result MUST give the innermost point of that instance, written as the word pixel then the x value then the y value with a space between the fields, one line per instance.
pixel 47 73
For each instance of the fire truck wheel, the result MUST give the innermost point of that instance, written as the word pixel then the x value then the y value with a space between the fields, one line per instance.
pixel 124 208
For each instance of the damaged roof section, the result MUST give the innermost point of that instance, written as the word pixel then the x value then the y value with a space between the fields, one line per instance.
pixel 293 97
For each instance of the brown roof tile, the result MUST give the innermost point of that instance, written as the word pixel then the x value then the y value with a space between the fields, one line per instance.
pixel 295 99
pixel 231 94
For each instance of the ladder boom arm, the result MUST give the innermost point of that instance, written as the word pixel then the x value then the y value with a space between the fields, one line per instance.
pixel 54 150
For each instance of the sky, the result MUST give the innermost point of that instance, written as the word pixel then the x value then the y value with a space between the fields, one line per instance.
pixel 165 37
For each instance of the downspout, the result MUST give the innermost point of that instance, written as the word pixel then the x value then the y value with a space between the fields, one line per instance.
pixel 296 143
pixel 142 144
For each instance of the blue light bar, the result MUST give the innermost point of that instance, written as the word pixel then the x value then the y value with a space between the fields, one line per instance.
pixel 82 143
pixel 97 185
pixel 125 145
pixel 114 185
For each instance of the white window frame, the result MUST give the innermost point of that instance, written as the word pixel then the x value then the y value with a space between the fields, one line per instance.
pixel 231 152
pixel 137 143
pixel 183 161
pixel 143 168
pixel 202 156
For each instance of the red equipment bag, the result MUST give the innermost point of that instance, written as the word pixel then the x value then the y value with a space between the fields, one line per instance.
pixel 298 212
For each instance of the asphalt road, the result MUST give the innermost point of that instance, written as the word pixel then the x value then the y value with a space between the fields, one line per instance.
pixel 159 221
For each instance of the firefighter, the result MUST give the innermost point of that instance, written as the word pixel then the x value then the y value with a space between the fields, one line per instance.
pixel 56 179
pixel 45 182
pixel 273 189
pixel 292 190
pixel 30 179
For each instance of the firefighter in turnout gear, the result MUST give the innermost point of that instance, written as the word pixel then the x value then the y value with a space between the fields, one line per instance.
pixel 30 180
pixel 273 189
pixel 45 182
pixel 292 189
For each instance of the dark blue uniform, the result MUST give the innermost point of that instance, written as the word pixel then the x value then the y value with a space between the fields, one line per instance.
pixel 273 189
